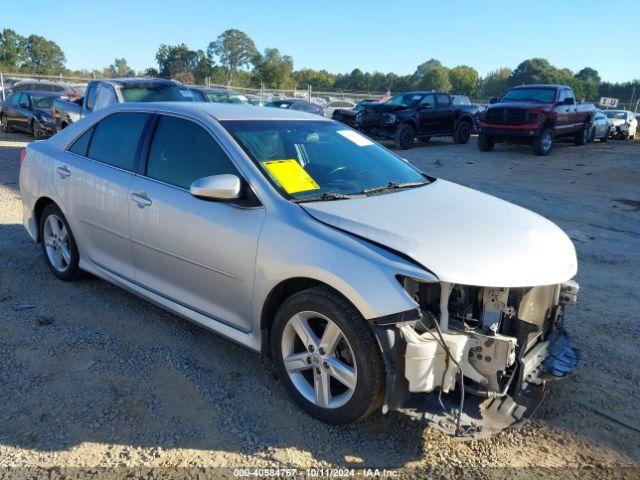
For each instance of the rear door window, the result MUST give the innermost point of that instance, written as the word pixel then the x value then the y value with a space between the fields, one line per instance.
pixel 182 152
pixel 116 137
pixel 443 100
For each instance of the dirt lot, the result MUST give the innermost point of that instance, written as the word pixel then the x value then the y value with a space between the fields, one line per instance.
pixel 91 376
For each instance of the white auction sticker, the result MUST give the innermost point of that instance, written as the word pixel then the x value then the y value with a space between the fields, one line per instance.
pixel 355 137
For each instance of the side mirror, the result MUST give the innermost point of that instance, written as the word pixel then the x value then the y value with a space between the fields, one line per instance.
pixel 217 187
pixel 24 105
pixel 493 100
pixel 425 106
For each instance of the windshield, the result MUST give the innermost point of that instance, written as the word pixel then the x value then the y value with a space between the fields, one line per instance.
pixel 614 114
pixel 156 93
pixel 539 95
pixel 40 101
pixel 311 160
pixel 405 100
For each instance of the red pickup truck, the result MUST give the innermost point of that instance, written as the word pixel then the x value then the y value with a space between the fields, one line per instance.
pixel 535 115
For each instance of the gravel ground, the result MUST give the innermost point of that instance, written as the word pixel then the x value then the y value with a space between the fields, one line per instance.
pixel 93 377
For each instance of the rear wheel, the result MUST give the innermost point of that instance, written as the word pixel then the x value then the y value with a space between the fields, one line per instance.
pixel 4 124
pixel 485 143
pixel 543 144
pixel 36 130
pixel 405 137
pixel 582 137
pixel 462 132
pixel 327 356
pixel 58 245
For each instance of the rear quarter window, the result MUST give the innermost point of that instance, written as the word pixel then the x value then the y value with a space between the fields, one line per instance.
pixel 116 137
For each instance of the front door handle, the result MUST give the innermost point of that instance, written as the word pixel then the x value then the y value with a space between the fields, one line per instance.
pixel 141 199
pixel 64 171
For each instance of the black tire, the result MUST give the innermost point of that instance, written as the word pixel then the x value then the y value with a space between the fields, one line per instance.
pixel 543 144
pixel 485 143
pixel 5 124
pixel 35 130
pixel 405 137
pixel 462 133
pixel 72 271
pixel 582 137
pixel 606 137
pixel 369 391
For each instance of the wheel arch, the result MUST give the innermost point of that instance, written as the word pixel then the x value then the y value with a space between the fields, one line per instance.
pixel 38 209
pixel 277 296
pixel 464 118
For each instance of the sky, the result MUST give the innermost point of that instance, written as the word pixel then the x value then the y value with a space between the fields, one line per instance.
pixel 342 35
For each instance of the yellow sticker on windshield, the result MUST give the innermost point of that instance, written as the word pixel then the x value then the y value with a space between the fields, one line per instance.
pixel 291 176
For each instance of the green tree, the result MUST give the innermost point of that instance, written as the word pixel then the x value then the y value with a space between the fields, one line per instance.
pixel 234 49
pixel 424 68
pixel 151 72
pixel 119 68
pixel 464 80
pixel 437 78
pixel 183 64
pixel 43 56
pixel 589 74
pixel 495 83
pixel 12 50
pixel 274 69
pixel 534 70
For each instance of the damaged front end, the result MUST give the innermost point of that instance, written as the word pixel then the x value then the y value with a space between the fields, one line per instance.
pixel 478 359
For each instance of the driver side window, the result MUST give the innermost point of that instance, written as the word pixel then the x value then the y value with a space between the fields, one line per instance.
pixel 182 152
pixel 428 100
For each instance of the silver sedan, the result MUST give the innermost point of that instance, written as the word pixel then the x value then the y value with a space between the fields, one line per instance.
pixel 366 280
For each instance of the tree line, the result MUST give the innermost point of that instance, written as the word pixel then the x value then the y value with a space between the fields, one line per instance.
pixel 233 59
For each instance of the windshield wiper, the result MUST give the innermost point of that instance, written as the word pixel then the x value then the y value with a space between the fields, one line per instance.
pixel 393 186
pixel 325 197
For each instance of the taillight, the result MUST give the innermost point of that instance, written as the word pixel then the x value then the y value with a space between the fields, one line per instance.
pixel 23 154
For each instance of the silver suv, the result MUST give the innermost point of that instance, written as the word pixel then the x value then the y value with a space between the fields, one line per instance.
pixel 367 281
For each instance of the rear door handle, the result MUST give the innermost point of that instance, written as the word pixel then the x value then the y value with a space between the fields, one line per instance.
pixel 141 199
pixel 64 171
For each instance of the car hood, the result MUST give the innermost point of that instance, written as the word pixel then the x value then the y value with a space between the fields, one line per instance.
pixel 461 235
pixel 616 121
pixel 522 105
pixel 384 108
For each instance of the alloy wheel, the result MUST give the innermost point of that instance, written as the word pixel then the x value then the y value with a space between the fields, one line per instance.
pixel 56 241
pixel 319 360
pixel 547 141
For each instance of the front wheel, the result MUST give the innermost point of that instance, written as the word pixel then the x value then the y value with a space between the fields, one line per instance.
pixel 405 137
pixel 462 133
pixel 485 143
pixel 606 136
pixel 543 144
pixel 327 356
pixel 58 245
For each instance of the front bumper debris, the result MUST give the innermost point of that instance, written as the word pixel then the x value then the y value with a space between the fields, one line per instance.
pixel 502 363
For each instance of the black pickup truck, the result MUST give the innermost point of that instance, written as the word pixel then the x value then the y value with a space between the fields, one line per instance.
pixel 407 116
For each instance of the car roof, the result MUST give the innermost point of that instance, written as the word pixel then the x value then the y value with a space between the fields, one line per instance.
pixel 45 93
pixel 542 85
pixel 218 111
pixel 137 81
